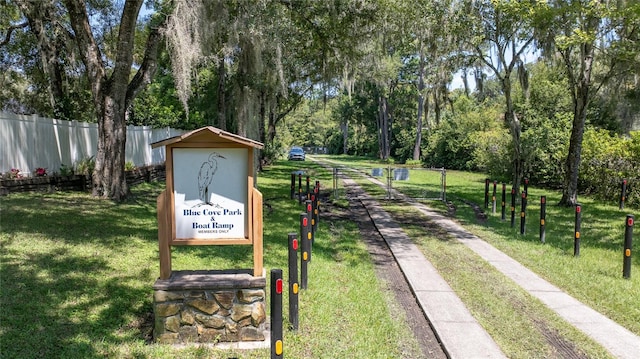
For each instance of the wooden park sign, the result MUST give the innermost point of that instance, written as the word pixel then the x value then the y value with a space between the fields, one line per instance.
pixel 210 197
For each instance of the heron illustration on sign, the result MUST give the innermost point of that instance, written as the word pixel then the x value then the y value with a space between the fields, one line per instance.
pixel 205 176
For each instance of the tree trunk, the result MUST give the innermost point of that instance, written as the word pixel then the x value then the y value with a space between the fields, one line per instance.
pixel 421 86
pixel 344 126
pixel 418 143
pixel 383 128
pixel 222 110
pixel 112 94
pixel 572 164
pixel 515 128
pixel 109 179
pixel 580 104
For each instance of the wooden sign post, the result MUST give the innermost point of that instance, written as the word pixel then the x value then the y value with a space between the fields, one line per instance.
pixel 210 197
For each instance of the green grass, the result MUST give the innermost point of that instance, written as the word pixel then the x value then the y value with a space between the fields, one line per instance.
pixel 522 326
pixel 76 279
pixel 595 277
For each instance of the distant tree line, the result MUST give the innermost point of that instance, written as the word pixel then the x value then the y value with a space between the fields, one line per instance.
pixel 548 89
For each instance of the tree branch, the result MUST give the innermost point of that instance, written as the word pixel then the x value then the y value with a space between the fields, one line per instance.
pixel 11 29
pixel 89 50
pixel 149 65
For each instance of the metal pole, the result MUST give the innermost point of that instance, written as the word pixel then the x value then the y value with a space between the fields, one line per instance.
pixel 276 313
pixel 576 237
pixel 293 280
pixel 628 234
pixel 308 188
pixel 543 217
pixel 293 184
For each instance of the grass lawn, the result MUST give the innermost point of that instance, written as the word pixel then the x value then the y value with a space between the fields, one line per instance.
pixel 594 277
pixel 76 279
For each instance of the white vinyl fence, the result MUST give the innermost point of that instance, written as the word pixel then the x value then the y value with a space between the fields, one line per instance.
pixel 29 142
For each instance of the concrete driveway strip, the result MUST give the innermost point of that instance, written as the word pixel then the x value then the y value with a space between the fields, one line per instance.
pixel 618 340
pixel 461 335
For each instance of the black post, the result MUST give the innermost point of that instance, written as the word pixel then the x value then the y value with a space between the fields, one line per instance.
pixel 309 207
pixel 513 207
pixel 276 313
pixel 293 280
pixel 444 185
pixel 628 234
pixel 486 193
pixel 304 245
pixel 543 217
pixel 624 193
pixel 523 213
pixel 293 184
pixel 526 187
pixel 299 188
pixel 308 188
pixel 504 200
pixel 576 237
pixel 494 199
pixel 316 207
pixel 335 182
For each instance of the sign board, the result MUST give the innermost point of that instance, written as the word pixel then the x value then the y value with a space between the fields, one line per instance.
pixel 210 194
pixel 401 174
pixel 210 197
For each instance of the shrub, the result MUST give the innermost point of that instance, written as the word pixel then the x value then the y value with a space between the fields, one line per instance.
pixel 607 159
pixel 66 170
pixel 86 166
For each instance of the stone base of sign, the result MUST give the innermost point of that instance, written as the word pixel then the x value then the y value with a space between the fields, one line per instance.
pixel 209 307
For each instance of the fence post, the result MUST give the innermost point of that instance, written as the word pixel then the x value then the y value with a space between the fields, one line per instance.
pixel 523 213
pixel 308 188
pixel 486 193
pixel 316 208
pixel 299 188
pixel 494 199
pixel 513 207
pixel 335 182
pixel 309 206
pixel 526 187
pixel 543 217
pixel 293 184
pixel 503 203
pixel 624 193
pixel 304 245
pixel 576 237
pixel 276 313
pixel 444 185
pixel 628 234
pixel 293 280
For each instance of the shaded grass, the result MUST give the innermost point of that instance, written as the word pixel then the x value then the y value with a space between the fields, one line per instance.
pixel 595 277
pixel 76 278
